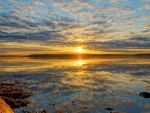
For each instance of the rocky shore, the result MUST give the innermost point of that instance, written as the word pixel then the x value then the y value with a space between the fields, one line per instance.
pixel 12 95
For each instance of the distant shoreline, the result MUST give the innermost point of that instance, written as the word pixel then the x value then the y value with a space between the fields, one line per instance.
pixel 52 56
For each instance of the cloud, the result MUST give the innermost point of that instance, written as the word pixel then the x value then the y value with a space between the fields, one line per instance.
pixel 124 10
pixel 146 0
pixel 116 1
pixel 40 3
pixel 135 43
pixel 147 6
pixel 144 17
pixel 91 22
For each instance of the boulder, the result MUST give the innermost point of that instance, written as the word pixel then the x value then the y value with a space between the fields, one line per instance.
pixel 4 107
pixel 145 94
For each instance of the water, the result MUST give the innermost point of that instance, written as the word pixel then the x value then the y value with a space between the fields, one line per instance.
pixel 82 85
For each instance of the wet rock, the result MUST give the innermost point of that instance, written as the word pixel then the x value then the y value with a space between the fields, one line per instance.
pixel 7 84
pixel 145 94
pixel 18 81
pixel 59 111
pixel 109 109
pixel 16 103
pixel 113 111
pixel 85 107
pixel 5 108
pixel 14 95
pixel 73 103
pixel 14 92
pixel 43 111
pixel 53 104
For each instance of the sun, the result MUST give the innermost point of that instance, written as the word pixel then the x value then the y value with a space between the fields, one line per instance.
pixel 79 50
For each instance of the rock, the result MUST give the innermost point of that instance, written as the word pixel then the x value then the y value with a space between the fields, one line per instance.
pixel 7 83
pixel 5 108
pixel 73 103
pixel 85 107
pixel 44 111
pixel 53 104
pixel 16 103
pixel 14 95
pixel 109 109
pixel 145 94
pixel 59 111
pixel 113 111
pixel 26 111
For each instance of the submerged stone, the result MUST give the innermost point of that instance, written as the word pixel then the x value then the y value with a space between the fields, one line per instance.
pixel 145 94
pixel 109 109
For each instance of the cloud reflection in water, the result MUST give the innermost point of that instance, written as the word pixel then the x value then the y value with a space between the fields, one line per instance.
pixel 76 84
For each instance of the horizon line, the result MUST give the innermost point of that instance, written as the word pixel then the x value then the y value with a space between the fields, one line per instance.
pixel 78 54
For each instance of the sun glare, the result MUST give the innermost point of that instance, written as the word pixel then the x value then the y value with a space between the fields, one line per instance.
pixel 80 62
pixel 79 50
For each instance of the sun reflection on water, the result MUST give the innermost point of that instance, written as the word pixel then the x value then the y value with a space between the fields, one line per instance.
pixel 80 62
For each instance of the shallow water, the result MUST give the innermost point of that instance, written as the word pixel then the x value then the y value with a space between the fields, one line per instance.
pixel 82 85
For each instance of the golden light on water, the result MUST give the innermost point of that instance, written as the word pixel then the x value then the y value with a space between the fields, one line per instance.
pixel 80 62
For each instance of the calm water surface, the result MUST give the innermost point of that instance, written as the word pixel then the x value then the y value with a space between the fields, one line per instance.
pixel 82 85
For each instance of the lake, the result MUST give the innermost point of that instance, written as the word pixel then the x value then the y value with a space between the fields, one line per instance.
pixel 81 85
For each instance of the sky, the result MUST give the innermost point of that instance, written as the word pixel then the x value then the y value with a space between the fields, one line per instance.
pixel 61 26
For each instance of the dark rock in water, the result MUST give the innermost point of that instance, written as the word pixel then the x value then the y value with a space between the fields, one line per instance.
pixel 14 95
pixel 59 111
pixel 44 111
pixel 53 104
pixel 16 103
pixel 109 109
pixel 113 110
pixel 7 84
pixel 145 94
pixel 26 111
pixel 84 107
pixel 73 103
